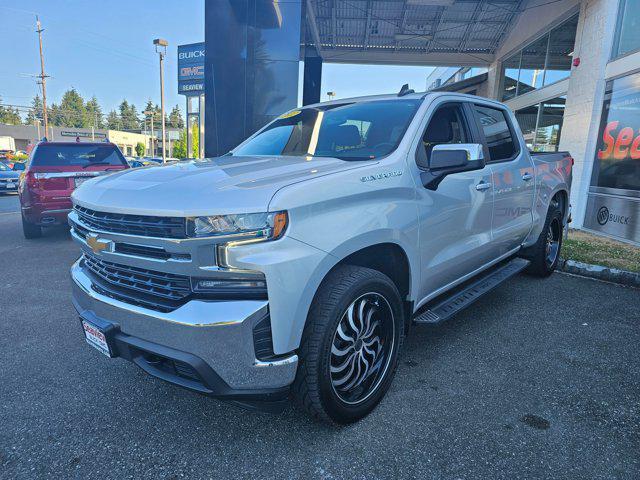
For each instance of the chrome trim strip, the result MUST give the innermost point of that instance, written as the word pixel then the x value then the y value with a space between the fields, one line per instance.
pixel 46 175
pixel 59 210
pixel 275 363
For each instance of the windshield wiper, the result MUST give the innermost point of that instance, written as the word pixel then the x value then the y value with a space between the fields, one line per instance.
pixel 95 163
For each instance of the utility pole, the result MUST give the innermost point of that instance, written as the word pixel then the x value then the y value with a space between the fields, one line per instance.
pixel 43 78
pixel 153 138
pixel 161 49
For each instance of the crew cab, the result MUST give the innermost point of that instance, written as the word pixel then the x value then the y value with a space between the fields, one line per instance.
pixel 54 170
pixel 295 265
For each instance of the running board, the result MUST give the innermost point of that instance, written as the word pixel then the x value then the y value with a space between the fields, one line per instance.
pixel 448 304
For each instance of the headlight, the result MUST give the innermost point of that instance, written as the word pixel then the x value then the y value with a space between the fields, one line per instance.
pixel 246 226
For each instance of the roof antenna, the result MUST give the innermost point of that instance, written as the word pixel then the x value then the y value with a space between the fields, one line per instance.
pixel 405 90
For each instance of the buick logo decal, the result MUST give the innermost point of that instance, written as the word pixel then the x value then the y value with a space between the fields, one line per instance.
pixel 603 215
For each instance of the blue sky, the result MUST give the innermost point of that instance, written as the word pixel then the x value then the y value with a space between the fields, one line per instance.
pixel 105 49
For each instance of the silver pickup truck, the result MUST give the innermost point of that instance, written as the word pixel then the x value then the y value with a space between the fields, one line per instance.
pixel 294 265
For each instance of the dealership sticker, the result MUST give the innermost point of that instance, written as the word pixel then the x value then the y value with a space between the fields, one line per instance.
pixel 290 114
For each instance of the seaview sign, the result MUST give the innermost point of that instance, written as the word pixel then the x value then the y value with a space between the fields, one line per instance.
pixel 191 69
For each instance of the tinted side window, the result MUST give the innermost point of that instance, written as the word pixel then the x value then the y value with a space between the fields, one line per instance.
pixel 446 126
pixel 495 126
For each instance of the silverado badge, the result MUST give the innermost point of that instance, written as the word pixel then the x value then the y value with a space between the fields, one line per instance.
pixel 379 176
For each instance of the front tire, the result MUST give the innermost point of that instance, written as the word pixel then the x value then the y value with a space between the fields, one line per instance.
pixel 30 230
pixel 350 345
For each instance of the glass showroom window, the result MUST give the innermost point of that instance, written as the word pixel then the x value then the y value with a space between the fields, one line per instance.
pixel 628 29
pixel 549 125
pixel 560 53
pixel 510 72
pixel 532 65
pixel 541 124
pixel 528 119
pixel 617 158
pixel 543 62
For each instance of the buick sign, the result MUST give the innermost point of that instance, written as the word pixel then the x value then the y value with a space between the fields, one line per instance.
pixel 603 215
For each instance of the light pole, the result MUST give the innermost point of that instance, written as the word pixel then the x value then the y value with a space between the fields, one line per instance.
pixel 161 50
pixel 153 150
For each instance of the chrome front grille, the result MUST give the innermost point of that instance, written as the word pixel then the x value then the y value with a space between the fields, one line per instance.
pixel 148 288
pixel 148 226
pixel 132 249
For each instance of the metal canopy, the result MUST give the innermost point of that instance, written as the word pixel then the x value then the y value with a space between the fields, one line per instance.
pixel 418 32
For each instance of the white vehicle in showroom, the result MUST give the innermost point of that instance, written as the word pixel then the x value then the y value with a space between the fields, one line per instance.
pixel 293 266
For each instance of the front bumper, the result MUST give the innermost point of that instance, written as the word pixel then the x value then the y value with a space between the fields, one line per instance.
pixel 213 338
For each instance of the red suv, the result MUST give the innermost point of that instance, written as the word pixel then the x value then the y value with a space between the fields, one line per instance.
pixel 53 171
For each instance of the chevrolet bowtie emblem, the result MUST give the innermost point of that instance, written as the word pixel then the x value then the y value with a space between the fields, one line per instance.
pixel 97 244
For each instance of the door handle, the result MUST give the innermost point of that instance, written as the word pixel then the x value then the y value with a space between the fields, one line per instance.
pixel 527 176
pixel 483 186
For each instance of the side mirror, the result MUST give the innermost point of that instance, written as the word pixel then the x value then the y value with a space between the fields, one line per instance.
pixel 451 158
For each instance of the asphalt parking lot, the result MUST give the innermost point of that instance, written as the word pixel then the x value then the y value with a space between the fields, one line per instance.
pixel 541 379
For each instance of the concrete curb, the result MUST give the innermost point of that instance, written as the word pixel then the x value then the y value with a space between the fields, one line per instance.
pixel 599 272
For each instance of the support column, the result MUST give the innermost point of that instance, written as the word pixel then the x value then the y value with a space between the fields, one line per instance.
pixel 312 79
pixel 252 53
pixel 594 40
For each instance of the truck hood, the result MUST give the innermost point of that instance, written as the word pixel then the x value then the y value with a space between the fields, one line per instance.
pixel 213 186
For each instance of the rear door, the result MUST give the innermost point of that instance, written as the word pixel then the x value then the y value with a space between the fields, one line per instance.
pixel 512 178
pixel 454 219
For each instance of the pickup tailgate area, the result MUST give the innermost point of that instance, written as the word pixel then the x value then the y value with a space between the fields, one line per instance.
pixel 553 173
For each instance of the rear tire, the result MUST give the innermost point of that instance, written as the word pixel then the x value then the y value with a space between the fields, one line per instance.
pixel 545 253
pixel 350 345
pixel 30 230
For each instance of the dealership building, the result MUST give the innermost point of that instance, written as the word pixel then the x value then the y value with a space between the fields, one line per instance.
pixel 569 69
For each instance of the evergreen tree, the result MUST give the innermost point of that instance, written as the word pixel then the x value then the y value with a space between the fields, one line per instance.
pixel 93 115
pixel 128 116
pixel 54 116
pixel 113 121
pixel 9 116
pixel 35 112
pixel 175 118
pixel 72 110
pixel 157 115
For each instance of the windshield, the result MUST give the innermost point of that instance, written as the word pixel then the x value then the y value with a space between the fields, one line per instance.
pixel 3 167
pixel 349 131
pixel 77 154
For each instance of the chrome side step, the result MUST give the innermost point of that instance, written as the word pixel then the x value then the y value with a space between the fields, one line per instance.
pixel 448 304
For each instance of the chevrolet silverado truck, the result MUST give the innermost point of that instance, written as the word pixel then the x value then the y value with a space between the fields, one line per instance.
pixel 294 266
